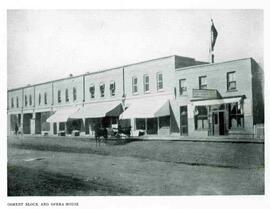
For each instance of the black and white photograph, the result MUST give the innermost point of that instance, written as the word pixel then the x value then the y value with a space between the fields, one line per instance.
pixel 133 102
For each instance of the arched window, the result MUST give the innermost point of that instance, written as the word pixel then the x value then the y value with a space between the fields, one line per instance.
pixel 67 97
pixel 45 98
pixel 92 91
pixel 59 96
pixel 30 100
pixel 17 102
pixel 39 99
pixel 74 94
pixel 25 101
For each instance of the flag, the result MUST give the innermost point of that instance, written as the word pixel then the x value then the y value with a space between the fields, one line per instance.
pixel 214 35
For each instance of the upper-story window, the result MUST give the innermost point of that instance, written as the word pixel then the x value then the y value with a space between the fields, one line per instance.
pixel 66 95
pixel 182 87
pixel 25 101
pixel 102 89
pixel 59 96
pixel 92 91
pixel 45 98
pixel 146 83
pixel 39 99
pixel 17 102
pixel 202 82
pixel 134 84
pixel 112 88
pixel 231 81
pixel 12 102
pixel 30 100
pixel 74 94
pixel 159 81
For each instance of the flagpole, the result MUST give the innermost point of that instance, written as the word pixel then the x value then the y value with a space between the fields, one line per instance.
pixel 212 52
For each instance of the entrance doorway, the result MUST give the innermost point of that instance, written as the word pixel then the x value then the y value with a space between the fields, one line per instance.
pixel 218 123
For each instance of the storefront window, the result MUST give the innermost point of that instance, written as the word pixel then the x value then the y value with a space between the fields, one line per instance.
pixel 236 116
pixel 200 118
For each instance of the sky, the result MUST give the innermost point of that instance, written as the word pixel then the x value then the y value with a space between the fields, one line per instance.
pixel 45 45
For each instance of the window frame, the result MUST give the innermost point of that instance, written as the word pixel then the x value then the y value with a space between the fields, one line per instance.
pixel 102 86
pixel 59 99
pixel 182 88
pixel 74 94
pixel 12 102
pixel 160 81
pixel 92 94
pixel 202 86
pixel 45 98
pixel 233 81
pixel 112 90
pixel 17 102
pixel 66 95
pixel 39 99
pixel 30 100
pixel 134 85
pixel 146 83
pixel 25 101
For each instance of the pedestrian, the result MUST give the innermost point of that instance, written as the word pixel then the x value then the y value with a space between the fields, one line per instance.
pixel 16 128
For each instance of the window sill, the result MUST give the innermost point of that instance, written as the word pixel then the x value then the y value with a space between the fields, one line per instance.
pixel 135 93
pixel 160 90
pixel 233 90
pixel 147 92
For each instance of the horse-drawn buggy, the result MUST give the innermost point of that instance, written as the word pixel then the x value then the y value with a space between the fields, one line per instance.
pixel 113 134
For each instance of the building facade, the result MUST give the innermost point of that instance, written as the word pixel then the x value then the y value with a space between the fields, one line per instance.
pixel 169 95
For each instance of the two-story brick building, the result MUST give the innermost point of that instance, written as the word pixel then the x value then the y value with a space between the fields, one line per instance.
pixel 220 98
pixel 162 96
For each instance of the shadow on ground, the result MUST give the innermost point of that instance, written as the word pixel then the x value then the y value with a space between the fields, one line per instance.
pixel 33 182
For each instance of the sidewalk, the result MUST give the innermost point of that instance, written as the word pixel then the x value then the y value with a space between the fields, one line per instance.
pixel 172 137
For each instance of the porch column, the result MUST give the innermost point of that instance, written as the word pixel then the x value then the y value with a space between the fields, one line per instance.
pixel 33 124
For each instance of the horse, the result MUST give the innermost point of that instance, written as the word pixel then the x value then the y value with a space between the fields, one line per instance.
pixel 99 134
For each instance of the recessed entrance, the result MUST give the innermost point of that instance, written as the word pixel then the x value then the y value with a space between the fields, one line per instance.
pixel 218 123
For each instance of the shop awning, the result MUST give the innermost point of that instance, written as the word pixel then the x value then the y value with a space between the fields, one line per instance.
pixel 216 101
pixel 147 108
pixel 99 110
pixel 62 115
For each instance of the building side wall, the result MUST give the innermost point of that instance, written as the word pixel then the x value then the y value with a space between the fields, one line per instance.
pixel 257 93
